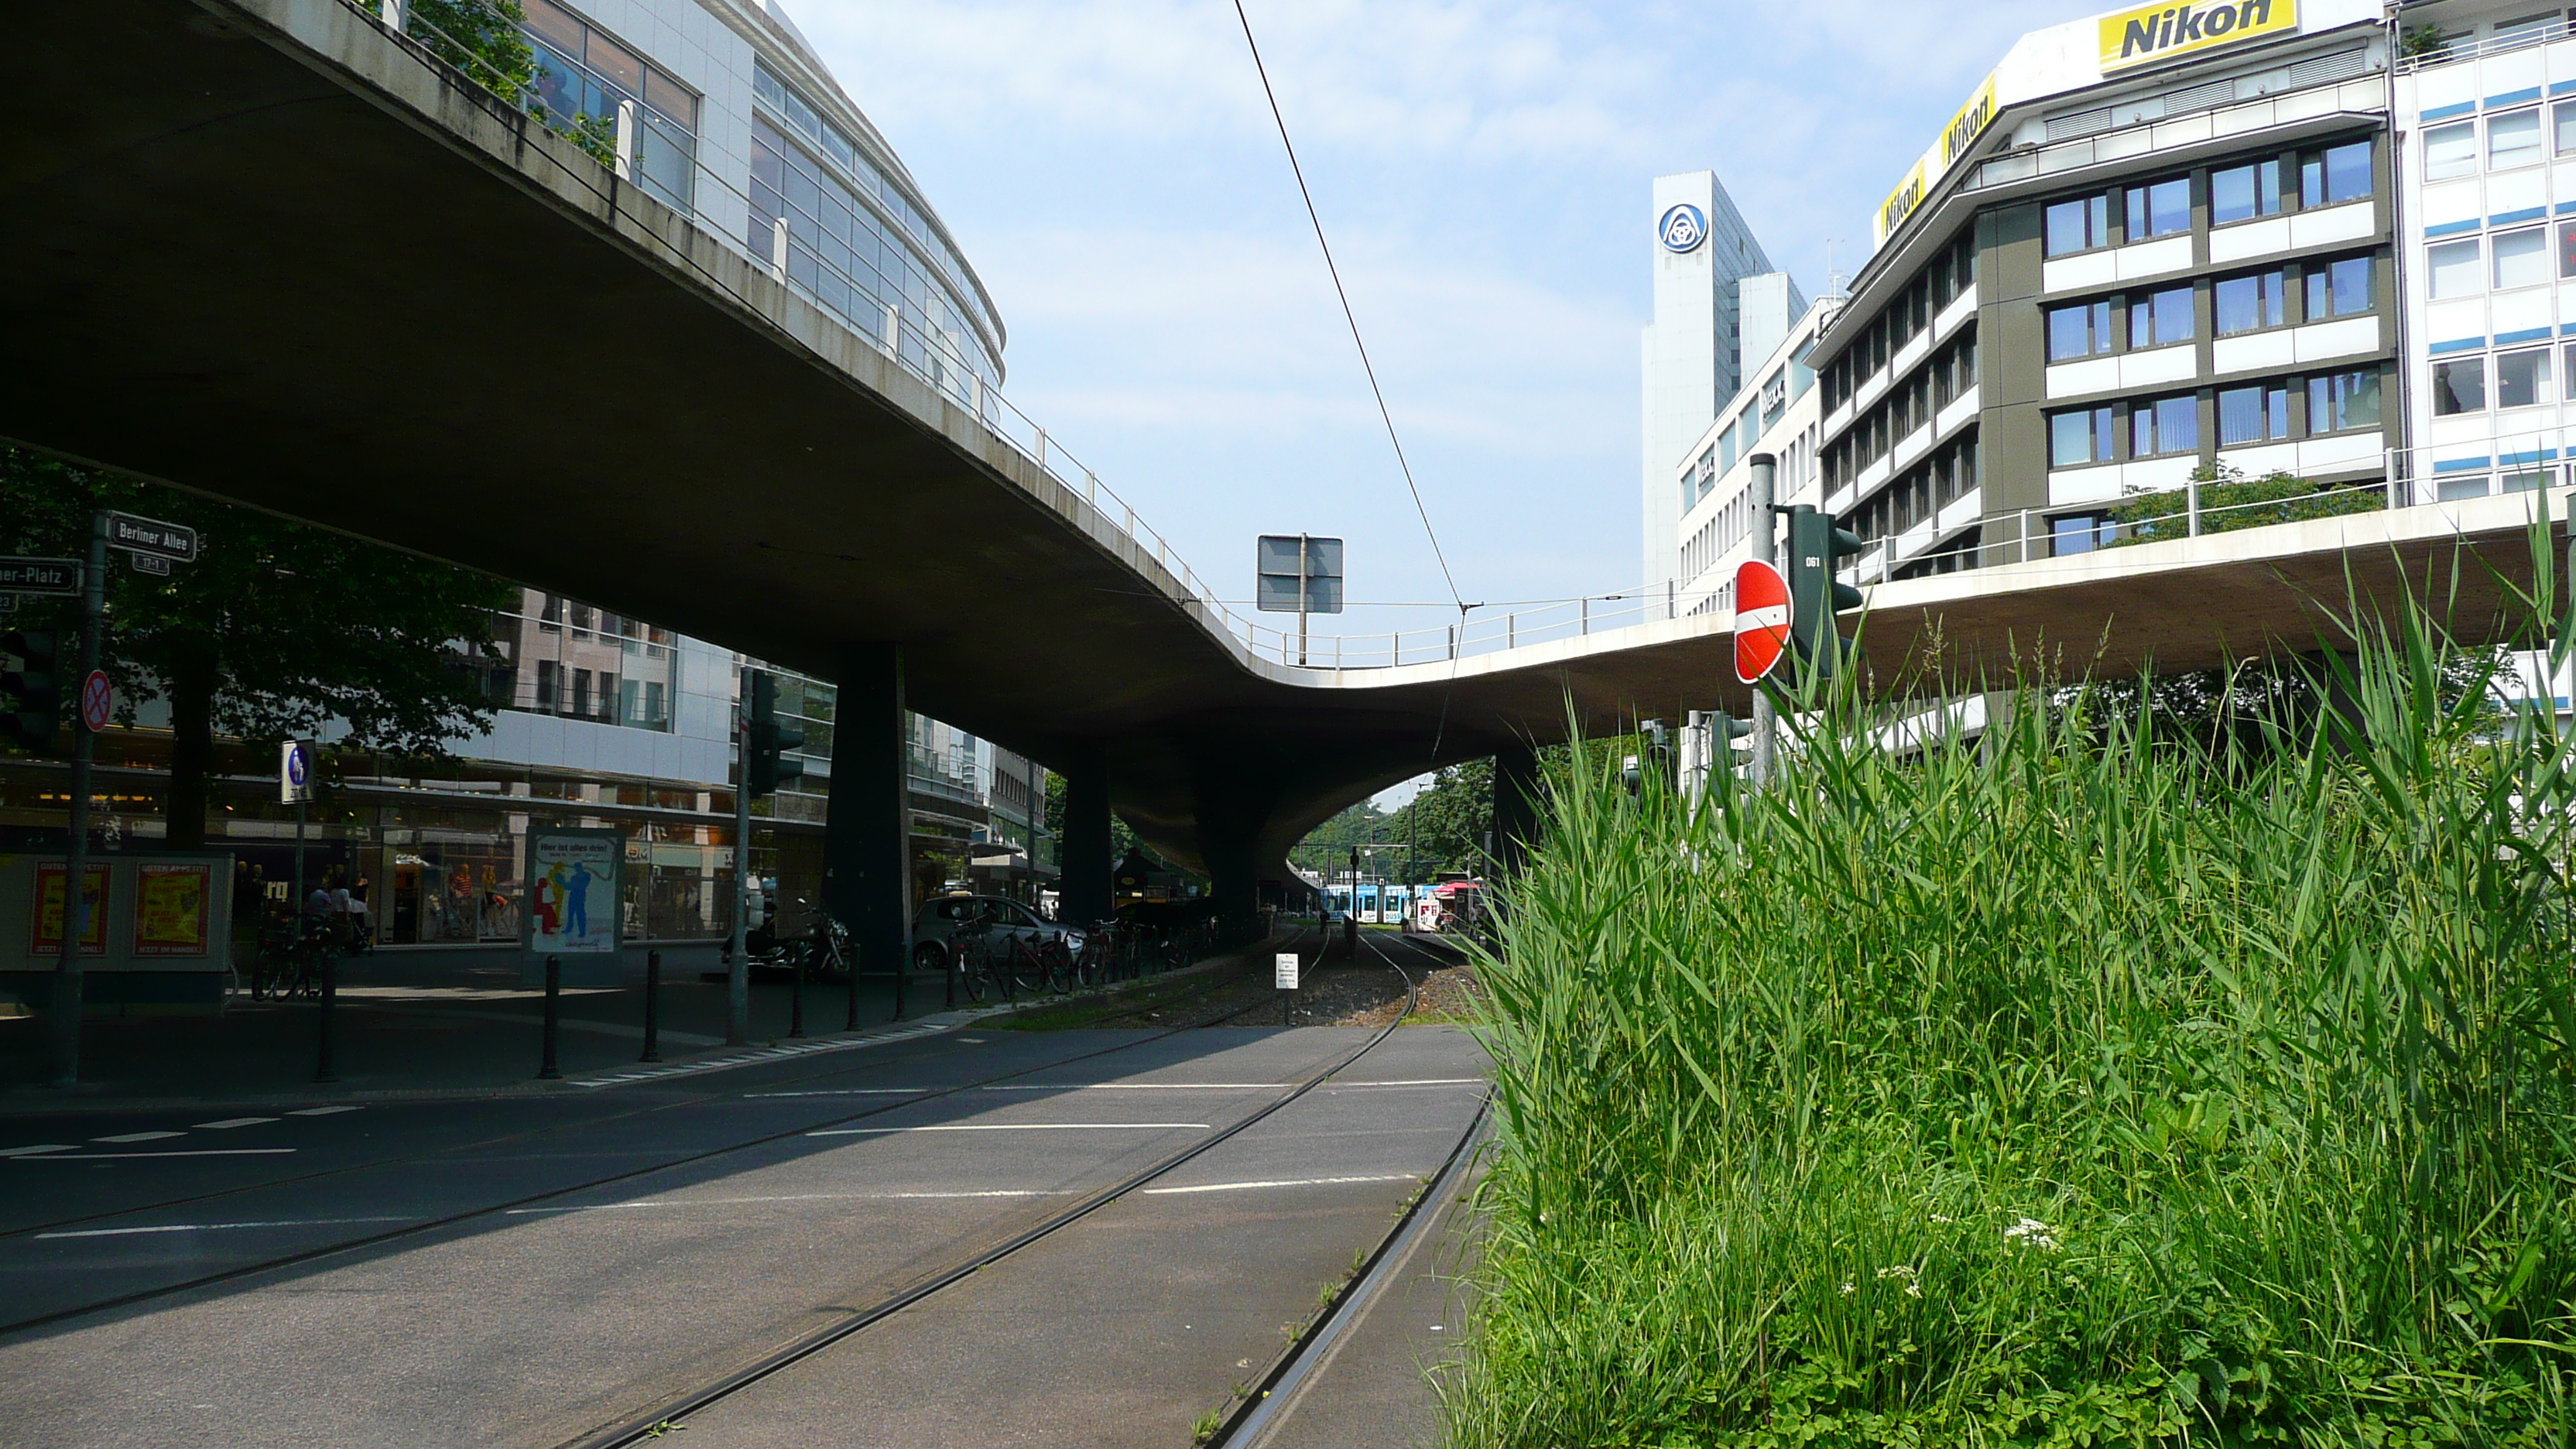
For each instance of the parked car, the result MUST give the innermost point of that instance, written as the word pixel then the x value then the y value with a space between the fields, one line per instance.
pixel 945 919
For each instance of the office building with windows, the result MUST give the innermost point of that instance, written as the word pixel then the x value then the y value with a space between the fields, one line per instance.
pixel 1717 303
pixel 721 110
pixel 1776 414
pixel 2139 257
pixel 2486 95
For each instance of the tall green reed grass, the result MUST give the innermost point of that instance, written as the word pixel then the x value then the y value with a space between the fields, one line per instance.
pixel 2054 1087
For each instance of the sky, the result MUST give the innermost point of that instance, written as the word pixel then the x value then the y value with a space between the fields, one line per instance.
pixel 1483 171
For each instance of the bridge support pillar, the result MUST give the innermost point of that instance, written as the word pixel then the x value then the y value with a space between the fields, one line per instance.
pixel 867 834
pixel 1086 843
pixel 1516 788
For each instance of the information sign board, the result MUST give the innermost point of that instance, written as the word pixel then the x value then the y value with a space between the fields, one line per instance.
pixel 46 936
pixel 1285 969
pixel 575 891
pixel 172 904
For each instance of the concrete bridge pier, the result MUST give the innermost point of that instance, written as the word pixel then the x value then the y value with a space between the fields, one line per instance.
pixel 1086 864
pixel 867 835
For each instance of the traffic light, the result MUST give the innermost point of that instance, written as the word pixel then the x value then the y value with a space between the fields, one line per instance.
pixel 763 767
pixel 1816 551
pixel 31 694
pixel 1724 730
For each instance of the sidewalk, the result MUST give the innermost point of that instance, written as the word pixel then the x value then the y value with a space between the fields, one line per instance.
pixel 429 1023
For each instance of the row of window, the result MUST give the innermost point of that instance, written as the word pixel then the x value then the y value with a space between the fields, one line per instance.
pixel 2152 209
pixel 2501 262
pixel 1948 374
pixel 2255 413
pixel 2513 138
pixel 2525 378
pixel 1918 495
pixel 1940 283
pixel 2248 303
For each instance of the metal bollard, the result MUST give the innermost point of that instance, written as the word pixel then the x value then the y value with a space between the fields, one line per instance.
pixel 547 1071
pixel 850 1022
pixel 796 998
pixel 948 978
pixel 322 1069
pixel 900 972
pixel 652 1007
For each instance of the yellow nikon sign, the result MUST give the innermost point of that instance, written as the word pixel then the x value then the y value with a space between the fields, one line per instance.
pixel 1965 127
pixel 2162 32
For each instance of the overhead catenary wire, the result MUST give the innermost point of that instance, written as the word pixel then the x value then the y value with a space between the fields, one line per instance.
pixel 1348 315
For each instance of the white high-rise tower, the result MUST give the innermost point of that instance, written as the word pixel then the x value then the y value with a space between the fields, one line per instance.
pixel 1708 320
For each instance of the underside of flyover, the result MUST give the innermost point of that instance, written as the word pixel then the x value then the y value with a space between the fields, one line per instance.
pixel 262 250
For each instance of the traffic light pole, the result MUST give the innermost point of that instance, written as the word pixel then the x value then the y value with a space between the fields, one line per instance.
pixel 67 973
pixel 738 967
pixel 1763 497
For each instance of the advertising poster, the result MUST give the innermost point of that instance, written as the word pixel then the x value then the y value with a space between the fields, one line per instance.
pixel 170 910
pixel 573 891
pixel 48 915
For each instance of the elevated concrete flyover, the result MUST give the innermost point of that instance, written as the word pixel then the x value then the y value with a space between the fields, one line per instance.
pixel 265 250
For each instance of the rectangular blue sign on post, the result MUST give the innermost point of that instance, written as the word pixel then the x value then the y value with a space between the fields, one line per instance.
pixel 1298 574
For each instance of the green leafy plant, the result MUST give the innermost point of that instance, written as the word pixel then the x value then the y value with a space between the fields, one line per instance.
pixel 2060 1086
pixel 2230 501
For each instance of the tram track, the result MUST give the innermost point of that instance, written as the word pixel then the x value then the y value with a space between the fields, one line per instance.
pixel 509 1206
pixel 658 1416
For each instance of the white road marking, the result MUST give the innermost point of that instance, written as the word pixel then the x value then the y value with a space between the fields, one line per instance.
pixel 193 1152
pixel 1418 1082
pixel 138 1137
pixel 794 1197
pixel 319 1111
pixel 39 1147
pixel 1010 1127
pixel 214 1227
pixel 763 1054
pixel 232 1122
pixel 1281 1182
pixel 850 1092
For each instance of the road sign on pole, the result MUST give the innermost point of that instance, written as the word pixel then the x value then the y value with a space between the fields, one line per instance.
pixel 40 576
pixel 1283 968
pixel 96 700
pixel 150 535
pixel 1761 619
pixel 294 774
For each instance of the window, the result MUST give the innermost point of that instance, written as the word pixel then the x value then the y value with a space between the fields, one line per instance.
pixel 2336 174
pixel 2563 120
pixel 546 670
pixel 2244 304
pixel 2343 400
pixel 2454 489
pixel 2522 378
pixel 2160 317
pixel 2167 425
pixel 2079 331
pixel 2339 289
pixel 2160 209
pixel 2455 271
pixel 2521 258
pixel 2513 139
pixel 2567 370
pixel 2459 386
pixel 2243 192
pixel 2451 150
pixel 2080 534
pixel 2253 414
pixel 2079 225
pixel 2082 436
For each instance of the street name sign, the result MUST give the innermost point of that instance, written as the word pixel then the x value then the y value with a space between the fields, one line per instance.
pixel 1761 619
pixel 151 535
pixel 39 576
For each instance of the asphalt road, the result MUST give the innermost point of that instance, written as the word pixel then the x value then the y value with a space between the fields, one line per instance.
pixel 517 1272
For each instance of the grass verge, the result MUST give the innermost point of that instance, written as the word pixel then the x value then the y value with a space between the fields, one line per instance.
pixel 2060 1088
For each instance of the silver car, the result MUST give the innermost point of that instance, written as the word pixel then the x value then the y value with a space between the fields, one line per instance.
pixel 946 922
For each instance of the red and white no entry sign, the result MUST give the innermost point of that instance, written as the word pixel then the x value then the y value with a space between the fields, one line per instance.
pixel 1761 619
pixel 95 701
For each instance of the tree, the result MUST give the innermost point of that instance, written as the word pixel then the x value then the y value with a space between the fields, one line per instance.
pixel 1327 847
pixel 277 629
pixel 1443 826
